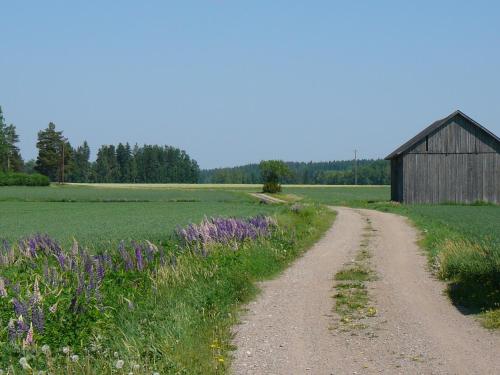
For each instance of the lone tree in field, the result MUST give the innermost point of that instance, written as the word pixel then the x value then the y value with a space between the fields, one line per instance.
pixel 273 172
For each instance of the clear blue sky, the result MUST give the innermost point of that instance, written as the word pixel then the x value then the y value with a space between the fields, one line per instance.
pixel 233 82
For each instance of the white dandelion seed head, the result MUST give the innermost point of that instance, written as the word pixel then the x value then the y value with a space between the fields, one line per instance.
pixel 45 349
pixel 115 354
pixel 75 358
pixel 119 364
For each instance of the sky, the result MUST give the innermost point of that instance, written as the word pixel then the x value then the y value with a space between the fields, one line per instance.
pixel 233 82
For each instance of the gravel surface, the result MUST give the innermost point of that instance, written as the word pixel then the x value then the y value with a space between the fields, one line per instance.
pixel 291 327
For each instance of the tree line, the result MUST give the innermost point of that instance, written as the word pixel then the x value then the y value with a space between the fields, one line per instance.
pixel 369 172
pixel 60 161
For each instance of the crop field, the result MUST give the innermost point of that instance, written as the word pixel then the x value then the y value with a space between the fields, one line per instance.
pixel 100 215
pixel 341 195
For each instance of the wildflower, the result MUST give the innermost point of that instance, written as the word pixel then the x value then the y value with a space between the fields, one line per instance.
pixel 119 364
pixel 29 337
pixel 53 308
pixel 75 358
pixel 139 258
pixel 3 291
pixel 38 317
pixel 65 350
pixel 37 297
pixel 11 329
pixel 24 363
pixel 45 349
pixel 220 359
pixel 20 308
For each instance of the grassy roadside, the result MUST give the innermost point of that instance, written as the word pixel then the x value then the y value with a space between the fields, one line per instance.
pixel 175 318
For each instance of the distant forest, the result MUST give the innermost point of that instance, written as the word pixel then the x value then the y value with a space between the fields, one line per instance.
pixel 60 161
pixel 370 172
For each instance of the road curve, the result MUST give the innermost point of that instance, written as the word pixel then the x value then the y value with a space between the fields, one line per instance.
pixel 291 327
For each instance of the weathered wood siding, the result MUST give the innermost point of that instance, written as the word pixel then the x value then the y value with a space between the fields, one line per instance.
pixel 461 178
pixel 456 137
pixel 458 162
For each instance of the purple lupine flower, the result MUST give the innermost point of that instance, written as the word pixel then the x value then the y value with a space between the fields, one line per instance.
pixel 28 341
pixel 81 284
pixel 21 326
pixel 38 318
pixel 138 257
pixel 162 255
pixel 100 268
pixel 125 256
pixel 226 231
pixel 92 285
pixel 20 308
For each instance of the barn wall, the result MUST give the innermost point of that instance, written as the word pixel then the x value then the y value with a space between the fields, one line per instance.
pixel 461 178
pixel 458 135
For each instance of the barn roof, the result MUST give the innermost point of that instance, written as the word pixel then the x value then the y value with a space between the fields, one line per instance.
pixel 435 125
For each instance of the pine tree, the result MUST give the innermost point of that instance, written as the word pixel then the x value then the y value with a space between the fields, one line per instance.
pixel 81 164
pixel 123 159
pixel 54 153
pixel 10 157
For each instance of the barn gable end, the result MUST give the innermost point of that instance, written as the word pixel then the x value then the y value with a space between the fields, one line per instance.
pixel 453 160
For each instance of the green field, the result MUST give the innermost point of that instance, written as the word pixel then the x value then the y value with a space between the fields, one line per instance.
pixel 99 215
pixel 341 195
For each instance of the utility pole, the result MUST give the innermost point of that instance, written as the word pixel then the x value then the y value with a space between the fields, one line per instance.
pixel 355 167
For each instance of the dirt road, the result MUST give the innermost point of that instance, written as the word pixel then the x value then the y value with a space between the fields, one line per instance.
pixel 292 327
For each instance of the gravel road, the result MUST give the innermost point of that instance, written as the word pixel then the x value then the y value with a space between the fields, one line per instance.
pixel 292 329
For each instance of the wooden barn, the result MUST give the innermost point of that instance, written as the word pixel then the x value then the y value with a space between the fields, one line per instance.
pixel 453 160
